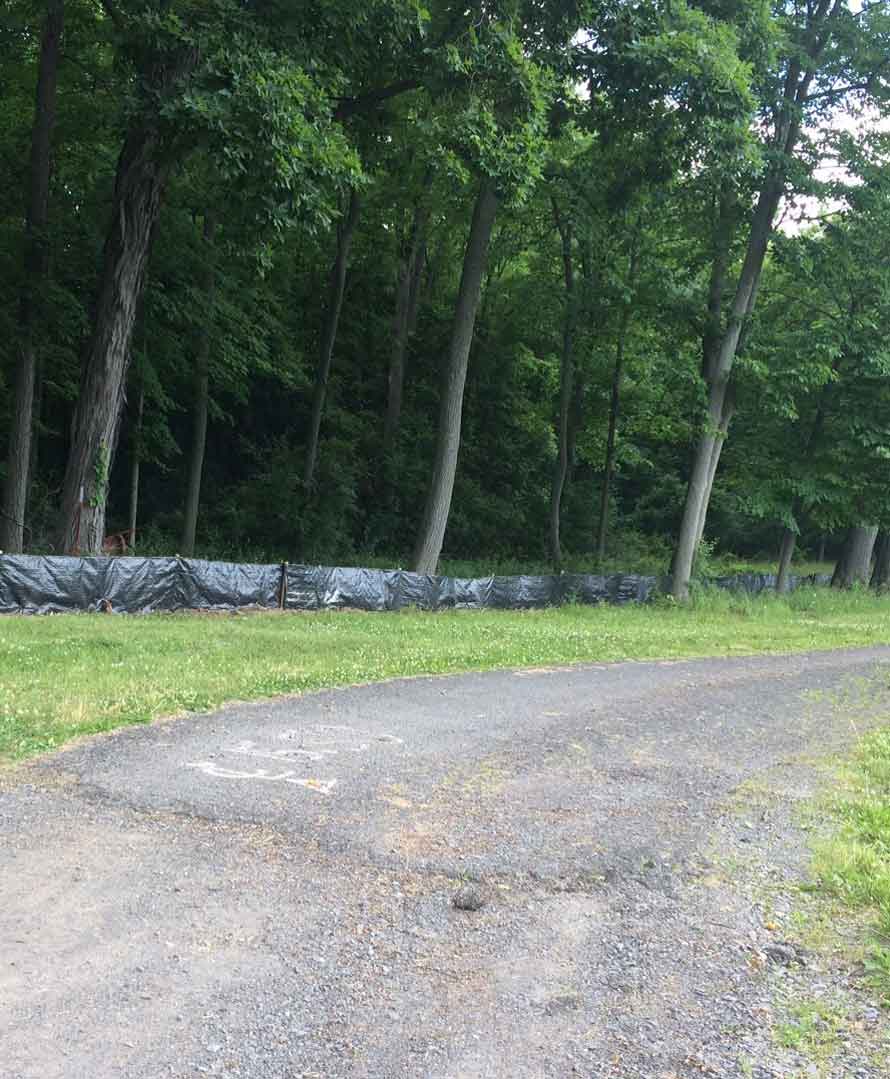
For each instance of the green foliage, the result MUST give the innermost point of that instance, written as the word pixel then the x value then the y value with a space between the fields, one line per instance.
pixel 497 100
pixel 631 119
pixel 818 371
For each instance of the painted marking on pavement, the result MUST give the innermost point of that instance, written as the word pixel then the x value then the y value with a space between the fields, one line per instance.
pixel 318 743
pixel 210 768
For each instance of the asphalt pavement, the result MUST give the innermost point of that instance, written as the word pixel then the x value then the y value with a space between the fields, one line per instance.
pixel 267 890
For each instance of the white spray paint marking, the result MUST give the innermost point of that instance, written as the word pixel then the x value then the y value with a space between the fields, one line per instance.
pixel 317 743
pixel 320 786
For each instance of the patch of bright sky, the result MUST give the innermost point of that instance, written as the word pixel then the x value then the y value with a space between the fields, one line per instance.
pixel 800 211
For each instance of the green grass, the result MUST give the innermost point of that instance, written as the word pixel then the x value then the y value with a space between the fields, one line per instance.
pixel 70 675
pixel 811 1027
pixel 854 864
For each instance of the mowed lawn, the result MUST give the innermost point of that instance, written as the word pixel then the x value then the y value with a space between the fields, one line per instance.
pixel 70 675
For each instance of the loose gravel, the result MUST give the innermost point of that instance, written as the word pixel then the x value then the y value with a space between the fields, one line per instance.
pixel 589 871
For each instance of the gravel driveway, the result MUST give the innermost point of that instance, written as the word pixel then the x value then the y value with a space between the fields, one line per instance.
pixel 267 891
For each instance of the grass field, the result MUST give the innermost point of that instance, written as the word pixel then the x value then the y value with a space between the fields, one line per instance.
pixel 69 675
pixel 854 864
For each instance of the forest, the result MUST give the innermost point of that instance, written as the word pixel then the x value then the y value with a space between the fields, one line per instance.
pixel 564 283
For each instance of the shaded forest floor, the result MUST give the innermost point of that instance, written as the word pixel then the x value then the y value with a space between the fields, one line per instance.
pixel 65 676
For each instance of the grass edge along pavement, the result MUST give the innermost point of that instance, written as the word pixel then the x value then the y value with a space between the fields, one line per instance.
pixel 852 863
pixel 66 676
pixel 841 918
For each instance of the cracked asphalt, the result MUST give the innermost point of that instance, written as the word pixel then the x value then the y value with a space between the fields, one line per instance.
pixel 266 891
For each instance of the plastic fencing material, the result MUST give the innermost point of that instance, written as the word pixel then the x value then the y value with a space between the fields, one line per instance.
pixel 39 584
pixel 755 583
pixel 48 584
pixel 312 588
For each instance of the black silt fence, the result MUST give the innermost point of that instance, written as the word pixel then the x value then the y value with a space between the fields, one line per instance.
pixel 48 584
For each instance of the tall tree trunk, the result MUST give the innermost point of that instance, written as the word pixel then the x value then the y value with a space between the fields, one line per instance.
pixel 135 465
pixel 142 170
pixel 408 282
pixel 18 461
pixel 716 450
pixel 438 502
pixel 798 77
pixel 820 556
pixel 880 578
pixel 609 463
pixel 139 186
pixel 576 419
pixel 566 384
pixel 719 407
pixel 202 394
pixel 615 405
pixel 786 553
pixel 36 416
pixel 329 333
pixel 706 457
pixel 854 564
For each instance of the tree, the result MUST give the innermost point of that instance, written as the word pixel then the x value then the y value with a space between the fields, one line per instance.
pixel 854 565
pixel 569 419
pixel 21 449
pixel 438 503
pixel 815 446
pixel 412 257
pixel 880 578
pixel 827 46
pixel 272 124
pixel 336 288
pixel 497 127
pixel 202 391
pixel 566 384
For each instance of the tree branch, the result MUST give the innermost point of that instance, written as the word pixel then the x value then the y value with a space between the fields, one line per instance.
pixel 349 106
pixel 839 90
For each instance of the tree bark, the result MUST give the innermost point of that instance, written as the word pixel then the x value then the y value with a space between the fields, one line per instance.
pixel 609 463
pixel 404 322
pixel 725 346
pixel 576 419
pixel 139 186
pixel 36 415
pixel 143 167
pixel 566 385
pixel 202 395
pixel 786 553
pixel 12 517
pixel 717 449
pixel 854 565
pixel 615 409
pixel 719 407
pixel 438 502
pixel 329 333
pixel 707 452
pixel 135 465
pixel 880 578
